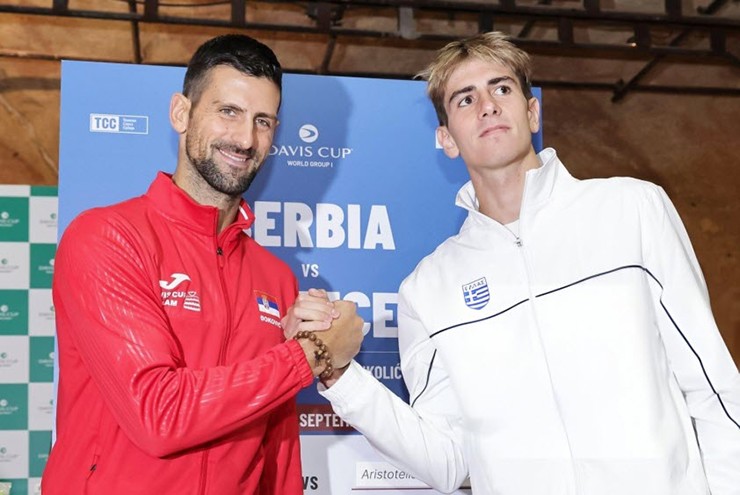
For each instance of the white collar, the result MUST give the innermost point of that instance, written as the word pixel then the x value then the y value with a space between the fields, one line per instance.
pixel 538 183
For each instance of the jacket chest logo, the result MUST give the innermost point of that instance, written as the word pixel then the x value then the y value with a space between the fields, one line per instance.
pixel 268 308
pixel 476 293
pixel 175 293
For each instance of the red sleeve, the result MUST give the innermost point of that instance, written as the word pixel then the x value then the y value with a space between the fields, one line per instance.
pixel 108 310
pixel 284 475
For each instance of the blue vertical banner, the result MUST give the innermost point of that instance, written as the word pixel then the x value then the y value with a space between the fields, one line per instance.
pixel 355 192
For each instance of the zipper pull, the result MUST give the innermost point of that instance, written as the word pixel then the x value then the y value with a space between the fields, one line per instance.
pixel 519 242
pixel 219 251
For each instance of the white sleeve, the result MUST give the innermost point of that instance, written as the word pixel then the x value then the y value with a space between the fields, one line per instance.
pixel 424 438
pixel 699 359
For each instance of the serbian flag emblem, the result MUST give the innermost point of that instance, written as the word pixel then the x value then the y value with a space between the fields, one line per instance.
pixel 268 305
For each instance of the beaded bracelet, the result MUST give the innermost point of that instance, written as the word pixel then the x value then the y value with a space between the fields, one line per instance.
pixel 320 354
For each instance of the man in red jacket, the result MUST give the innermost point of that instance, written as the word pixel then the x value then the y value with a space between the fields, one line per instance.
pixel 175 376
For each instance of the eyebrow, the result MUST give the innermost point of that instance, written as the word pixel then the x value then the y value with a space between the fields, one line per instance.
pixel 468 89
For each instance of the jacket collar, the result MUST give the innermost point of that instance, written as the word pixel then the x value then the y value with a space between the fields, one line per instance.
pixel 539 184
pixel 173 203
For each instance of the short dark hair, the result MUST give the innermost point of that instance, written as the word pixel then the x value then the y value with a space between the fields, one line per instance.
pixel 245 54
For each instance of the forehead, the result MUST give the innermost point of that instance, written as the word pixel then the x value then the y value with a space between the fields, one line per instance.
pixel 224 84
pixel 476 72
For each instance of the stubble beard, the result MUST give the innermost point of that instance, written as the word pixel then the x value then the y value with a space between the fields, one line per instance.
pixel 232 184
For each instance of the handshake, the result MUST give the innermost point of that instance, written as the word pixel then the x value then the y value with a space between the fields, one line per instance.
pixel 338 332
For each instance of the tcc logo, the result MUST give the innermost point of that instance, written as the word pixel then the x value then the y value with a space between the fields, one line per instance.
pixel 103 123
pixel 123 124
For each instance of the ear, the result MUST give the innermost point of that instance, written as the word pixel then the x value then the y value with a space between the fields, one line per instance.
pixel 180 112
pixel 533 113
pixel 448 143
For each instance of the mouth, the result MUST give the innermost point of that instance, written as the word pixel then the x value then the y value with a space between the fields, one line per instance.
pixel 496 129
pixel 236 157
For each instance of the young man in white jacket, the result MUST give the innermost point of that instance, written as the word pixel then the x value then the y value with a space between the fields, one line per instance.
pixel 563 341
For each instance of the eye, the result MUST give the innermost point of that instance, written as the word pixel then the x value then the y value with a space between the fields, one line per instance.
pixel 228 111
pixel 263 122
pixel 502 90
pixel 465 101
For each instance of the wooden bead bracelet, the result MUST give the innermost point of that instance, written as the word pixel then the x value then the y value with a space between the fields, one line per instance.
pixel 320 354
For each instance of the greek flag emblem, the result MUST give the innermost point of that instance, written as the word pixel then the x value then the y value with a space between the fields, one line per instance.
pixel 476 293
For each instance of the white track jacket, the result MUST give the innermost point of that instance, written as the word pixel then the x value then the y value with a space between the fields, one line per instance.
pixel 579 357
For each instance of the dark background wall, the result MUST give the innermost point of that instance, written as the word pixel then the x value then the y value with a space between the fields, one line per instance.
pixel 686 143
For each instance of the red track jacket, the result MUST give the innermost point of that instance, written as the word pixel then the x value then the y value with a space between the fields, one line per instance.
pixel 174 374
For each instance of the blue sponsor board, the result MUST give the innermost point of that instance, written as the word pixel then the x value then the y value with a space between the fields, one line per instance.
pixel 353 195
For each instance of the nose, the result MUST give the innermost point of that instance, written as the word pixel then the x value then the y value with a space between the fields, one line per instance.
pixel 243 134
pixel 488 107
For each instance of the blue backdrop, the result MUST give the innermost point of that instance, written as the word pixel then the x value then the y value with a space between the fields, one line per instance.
pixel 354 194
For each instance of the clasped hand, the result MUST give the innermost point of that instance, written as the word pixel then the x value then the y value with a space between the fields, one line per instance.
pixel 338 322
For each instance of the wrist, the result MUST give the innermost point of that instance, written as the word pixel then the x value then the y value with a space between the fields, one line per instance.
pixel 335 376
pixel 317 354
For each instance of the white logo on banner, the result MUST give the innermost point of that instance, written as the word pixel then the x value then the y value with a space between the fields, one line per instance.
pixel 8 314
pixel 305 155
pixel 119 124
pixel 308 133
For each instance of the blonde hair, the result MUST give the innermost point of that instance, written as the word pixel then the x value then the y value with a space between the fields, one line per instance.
pixel 491 47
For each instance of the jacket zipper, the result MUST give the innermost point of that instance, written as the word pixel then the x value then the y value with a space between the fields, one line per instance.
pixel 220 262
pixel 224 290
pixel 520 244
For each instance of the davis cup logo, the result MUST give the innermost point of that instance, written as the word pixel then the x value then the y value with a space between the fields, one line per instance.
pixel 306 154
pixel 308 133
pixel 6 220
